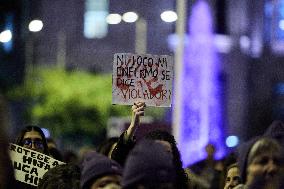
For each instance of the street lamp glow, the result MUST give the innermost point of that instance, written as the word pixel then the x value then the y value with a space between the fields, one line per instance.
pixel 35 26
pixel 281 24
pixel 5 36
pixel 113 19
pixel 232 141
pixel 169 16
pixel 130 17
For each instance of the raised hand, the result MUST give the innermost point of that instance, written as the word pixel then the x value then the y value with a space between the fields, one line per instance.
pixel 138 110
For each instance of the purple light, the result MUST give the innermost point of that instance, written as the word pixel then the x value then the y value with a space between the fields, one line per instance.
pixel 201 118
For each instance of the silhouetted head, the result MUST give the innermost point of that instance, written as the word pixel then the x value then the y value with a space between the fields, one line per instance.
pixel 167 140
pixel 61 177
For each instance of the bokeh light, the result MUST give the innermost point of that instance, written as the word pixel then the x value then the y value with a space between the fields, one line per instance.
pixel 169 16
pixel 35 26
pixel 113 19
pixel 130 17
pixel 232 141
pixel 5 36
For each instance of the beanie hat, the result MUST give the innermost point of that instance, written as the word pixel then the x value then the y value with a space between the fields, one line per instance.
pixel 148 162
pixel 95 165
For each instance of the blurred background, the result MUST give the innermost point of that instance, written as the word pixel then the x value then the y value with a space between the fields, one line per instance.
pixel 56 66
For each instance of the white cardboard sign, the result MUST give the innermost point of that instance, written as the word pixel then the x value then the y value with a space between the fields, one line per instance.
pixel 142 77
pixel 29 165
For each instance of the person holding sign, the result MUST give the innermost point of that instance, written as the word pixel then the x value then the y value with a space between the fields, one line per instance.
pixel 33 138
pixel 127 142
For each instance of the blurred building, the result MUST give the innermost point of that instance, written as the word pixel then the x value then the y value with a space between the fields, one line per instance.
pixel 71 32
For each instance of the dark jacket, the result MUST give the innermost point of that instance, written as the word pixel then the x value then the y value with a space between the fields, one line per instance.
pixel 123 148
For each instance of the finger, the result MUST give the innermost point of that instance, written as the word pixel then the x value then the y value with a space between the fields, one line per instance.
pixel 143 104
pixel 140 104
pixel 140 109
pixel 140 113
pixel 134 107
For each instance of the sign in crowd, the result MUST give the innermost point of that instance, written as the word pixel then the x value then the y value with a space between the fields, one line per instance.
pixel 29 165
pixel 142 77
pixel 147 78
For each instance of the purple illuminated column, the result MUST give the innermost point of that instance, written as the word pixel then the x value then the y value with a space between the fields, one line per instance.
pixel 201 120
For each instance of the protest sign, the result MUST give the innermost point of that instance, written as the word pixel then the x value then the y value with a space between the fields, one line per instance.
pixel 29 165
pixel 142 77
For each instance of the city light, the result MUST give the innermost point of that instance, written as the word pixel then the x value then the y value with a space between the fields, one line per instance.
pixel 35 26
pixel 169 16
pixel 281 24
pixel 130 17
pixel 5 36
pixel 113 19
pixel 232 141
pixel 244 42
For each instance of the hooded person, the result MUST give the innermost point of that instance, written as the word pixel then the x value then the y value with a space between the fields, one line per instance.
pixel 276 131
pixel 149 166
pixel 98 171
pixel 261 162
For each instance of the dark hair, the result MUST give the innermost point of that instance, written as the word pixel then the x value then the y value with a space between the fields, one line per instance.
pixel 30 128
pixel 105 147
pixel 182 180
pixel 70 157
pixel 55 153
pixel 230 167
pixel 61 177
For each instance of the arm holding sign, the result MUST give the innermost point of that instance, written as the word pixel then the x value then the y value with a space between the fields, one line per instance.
pixel 137 111
pixel 127 140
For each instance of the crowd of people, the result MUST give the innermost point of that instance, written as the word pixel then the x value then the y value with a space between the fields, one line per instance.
pixel 153 162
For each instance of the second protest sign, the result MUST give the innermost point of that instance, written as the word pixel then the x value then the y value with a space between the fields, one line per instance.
pixel 29 165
